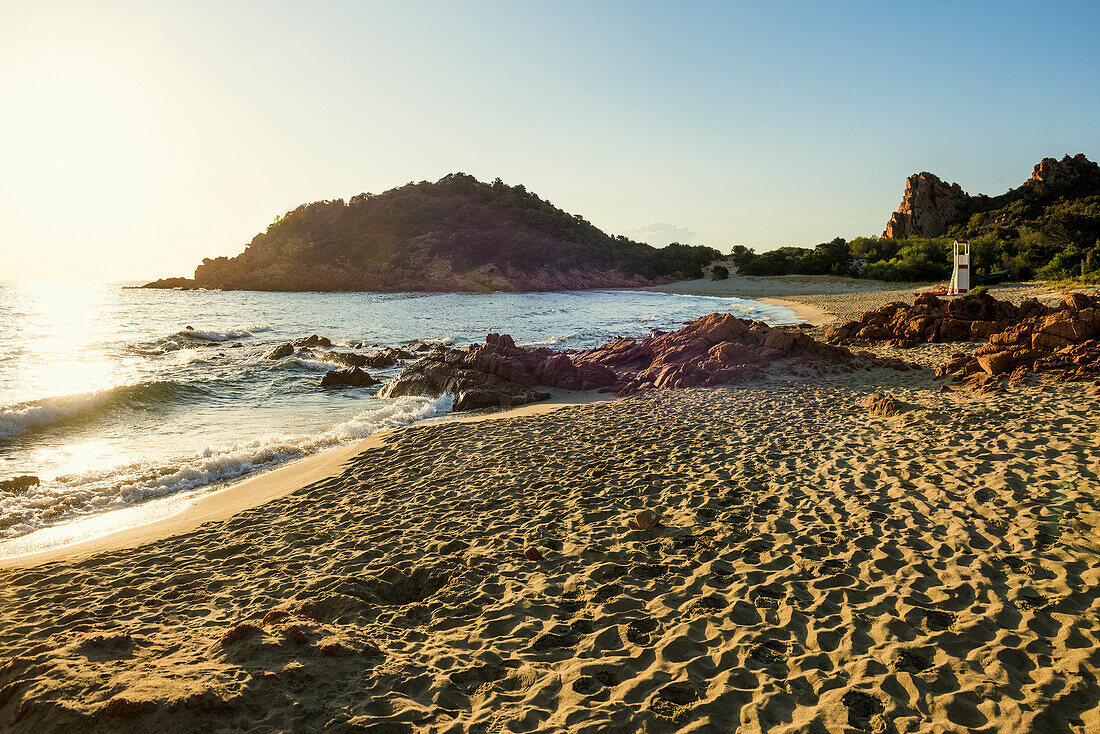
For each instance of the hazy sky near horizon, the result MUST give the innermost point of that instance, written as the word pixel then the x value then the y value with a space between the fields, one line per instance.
pixel 137 138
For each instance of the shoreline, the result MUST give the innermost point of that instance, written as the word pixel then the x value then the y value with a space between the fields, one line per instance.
pixel 246 494
pixel 817 300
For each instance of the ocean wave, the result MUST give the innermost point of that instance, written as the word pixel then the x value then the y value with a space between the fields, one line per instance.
pixel 223 336
pixel 547 342
pixel 74 496
pixel 36 415
pixel 191 338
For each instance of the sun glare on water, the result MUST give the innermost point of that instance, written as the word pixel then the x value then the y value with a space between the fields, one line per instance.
pixel 59 340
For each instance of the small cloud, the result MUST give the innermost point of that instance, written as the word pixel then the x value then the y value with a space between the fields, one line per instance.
pixel 660 234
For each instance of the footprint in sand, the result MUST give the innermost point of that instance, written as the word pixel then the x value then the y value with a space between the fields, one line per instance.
pixel 640 631
pixel 1032 600
pixel 863 710
pixel 769 652
pixel 558 637
pixel 1044 540
pixel 648 571
pixel 768 596
pixel 911 662
pixel 673 702
pixel 586 685
pixel 938 620
pixel 570 605
pixel 1019 565
pixel 607 592
pixel 707 605
pixel 720 576
pixel 471 679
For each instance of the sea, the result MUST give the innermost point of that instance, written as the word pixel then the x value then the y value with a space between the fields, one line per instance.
pixel 118 397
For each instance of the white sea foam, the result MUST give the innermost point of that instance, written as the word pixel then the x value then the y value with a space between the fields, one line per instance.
pixel 103 490
pixel 19 419
pixel 224 336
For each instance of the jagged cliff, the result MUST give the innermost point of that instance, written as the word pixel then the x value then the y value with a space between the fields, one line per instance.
pixel 457 234
pixel 931 208
pixel 927 208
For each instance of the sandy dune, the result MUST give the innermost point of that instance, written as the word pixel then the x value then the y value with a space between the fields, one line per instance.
pixel 816 570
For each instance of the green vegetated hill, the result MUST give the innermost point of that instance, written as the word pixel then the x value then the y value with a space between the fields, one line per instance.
pixel 457 234
pixel 1049 227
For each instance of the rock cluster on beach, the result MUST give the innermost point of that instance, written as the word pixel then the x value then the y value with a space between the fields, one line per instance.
pixel 494 374
pixel 934 319
pixel 1064 342
pixel 719 349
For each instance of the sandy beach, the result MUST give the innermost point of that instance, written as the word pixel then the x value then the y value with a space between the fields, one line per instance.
pixel 815 569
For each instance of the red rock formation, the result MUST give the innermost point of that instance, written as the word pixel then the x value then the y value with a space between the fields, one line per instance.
pixel 719 349
pixel 1052 175
pixel 1064 342
pixel 933 319
pixel 927 207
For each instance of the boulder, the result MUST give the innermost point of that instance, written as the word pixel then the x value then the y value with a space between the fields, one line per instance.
pixel 283 350
pixel 351 377
pixel 313 341
pixel 884 405
pixel 1064 342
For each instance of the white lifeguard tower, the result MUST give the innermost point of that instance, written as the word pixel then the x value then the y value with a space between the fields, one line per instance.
pixel 960 276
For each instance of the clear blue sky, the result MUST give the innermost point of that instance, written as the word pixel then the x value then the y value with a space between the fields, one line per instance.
pixel 138 138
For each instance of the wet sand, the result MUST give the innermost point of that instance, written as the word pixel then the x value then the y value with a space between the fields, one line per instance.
pixel 815 569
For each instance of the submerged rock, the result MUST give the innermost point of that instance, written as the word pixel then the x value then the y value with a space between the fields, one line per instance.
pixel 353 377
pixel 19 484
pixel 313 341
pixel 283 350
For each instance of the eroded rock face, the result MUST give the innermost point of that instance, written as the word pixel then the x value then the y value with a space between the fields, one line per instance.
pixel 934 319
pixel 927 208
pixel 1052 175
pixel 1063 341
pixel 719 349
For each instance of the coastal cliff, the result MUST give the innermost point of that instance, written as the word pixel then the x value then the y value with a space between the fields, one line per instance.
pixel 457 234
pixel 931 207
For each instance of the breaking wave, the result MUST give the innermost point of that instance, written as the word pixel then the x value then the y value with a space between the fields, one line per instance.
pixel 74 496
pixel 36 415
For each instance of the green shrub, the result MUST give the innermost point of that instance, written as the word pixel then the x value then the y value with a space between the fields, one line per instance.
pixel 719 272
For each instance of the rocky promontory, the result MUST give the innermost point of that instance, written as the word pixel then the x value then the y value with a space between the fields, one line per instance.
pixel 456 234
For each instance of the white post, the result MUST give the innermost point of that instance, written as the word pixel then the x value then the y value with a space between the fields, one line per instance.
pixel 960 277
